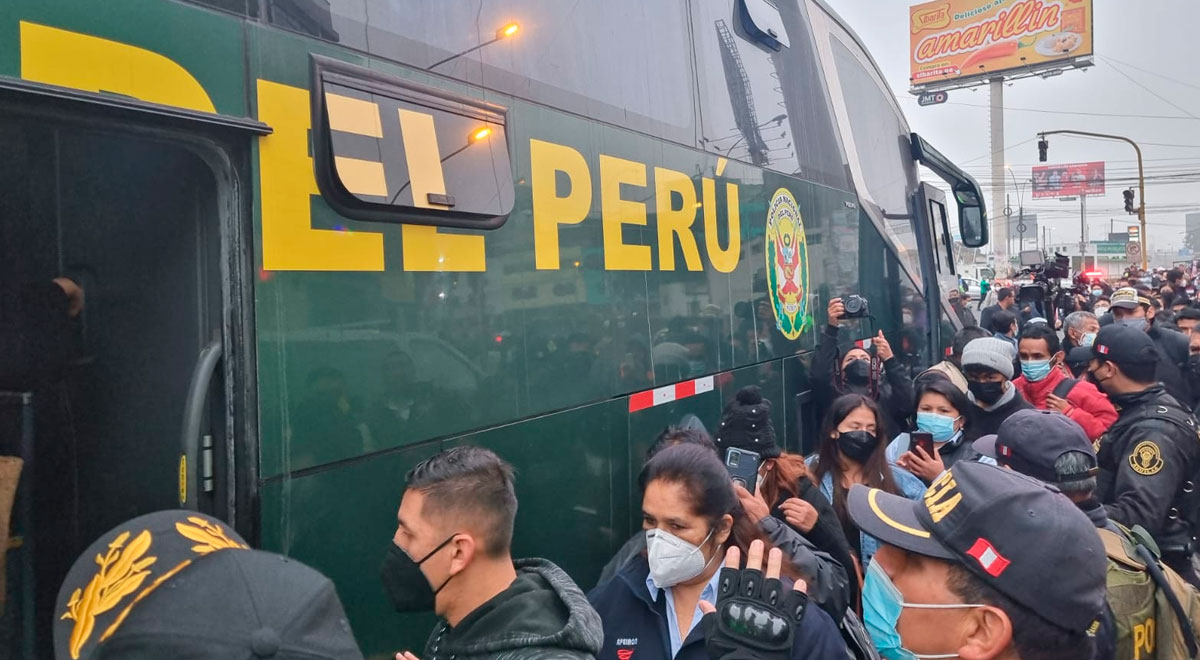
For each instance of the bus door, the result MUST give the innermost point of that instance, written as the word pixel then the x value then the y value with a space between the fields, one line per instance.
pixel 134 218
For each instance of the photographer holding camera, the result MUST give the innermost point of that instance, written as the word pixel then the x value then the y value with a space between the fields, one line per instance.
pixel 881 377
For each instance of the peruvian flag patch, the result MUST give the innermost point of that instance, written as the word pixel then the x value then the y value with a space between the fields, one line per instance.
pixel 1004 450
pixel 1102 349
pixel 989 558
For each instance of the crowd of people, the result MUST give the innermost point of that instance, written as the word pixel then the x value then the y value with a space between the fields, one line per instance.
pixel 1032 496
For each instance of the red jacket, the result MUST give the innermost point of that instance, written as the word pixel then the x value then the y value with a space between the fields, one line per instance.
pixel 1090 408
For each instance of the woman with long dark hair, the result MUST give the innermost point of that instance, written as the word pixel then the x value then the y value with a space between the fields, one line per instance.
pixel 691 516
pixel 852 452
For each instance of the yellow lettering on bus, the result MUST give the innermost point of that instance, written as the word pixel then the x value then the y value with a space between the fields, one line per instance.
pixel 550 210
pixel 616 212
pixel 723 260
pixel 675 224
pixel 287 188
pixel 425 248
pixel 79 61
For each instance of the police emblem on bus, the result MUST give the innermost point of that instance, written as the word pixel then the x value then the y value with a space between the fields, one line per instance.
pixel 787 264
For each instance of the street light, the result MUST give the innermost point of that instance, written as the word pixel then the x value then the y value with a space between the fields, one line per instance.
pixel 1020 206
pixel 505 32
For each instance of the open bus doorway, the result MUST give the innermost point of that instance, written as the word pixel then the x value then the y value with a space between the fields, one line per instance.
pixel 134 222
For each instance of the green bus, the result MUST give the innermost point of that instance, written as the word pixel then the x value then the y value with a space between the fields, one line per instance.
pixel 323 239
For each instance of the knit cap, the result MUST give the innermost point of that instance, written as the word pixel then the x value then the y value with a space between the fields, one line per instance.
pixel 995 354
pixel 746 424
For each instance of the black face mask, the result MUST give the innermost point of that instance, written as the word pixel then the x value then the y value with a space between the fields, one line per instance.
pixel 1193 365
pixel 857 445
pixel 987 393
pixel 857 372
pixel 405 584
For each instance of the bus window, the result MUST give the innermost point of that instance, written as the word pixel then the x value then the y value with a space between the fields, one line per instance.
pixel 389 151
pixel 622 61
pixel 760 105
pixel 881 147
pixel 240 7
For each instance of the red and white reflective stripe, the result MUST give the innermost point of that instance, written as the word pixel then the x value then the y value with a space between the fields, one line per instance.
pixel 669 393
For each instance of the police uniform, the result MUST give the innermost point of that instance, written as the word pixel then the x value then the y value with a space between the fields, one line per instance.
pixel 1149 457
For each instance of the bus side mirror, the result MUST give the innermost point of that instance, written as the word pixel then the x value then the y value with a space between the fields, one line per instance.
pixel 972 219
pixel 972 215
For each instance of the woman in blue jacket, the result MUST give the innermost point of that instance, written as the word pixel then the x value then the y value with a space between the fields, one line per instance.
pixel 691 515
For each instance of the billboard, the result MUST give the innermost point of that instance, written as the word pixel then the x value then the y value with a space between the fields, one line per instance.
pixel 956 40
pixel 1068 180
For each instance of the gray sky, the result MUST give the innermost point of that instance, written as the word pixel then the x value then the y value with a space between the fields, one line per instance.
pixel 1154 35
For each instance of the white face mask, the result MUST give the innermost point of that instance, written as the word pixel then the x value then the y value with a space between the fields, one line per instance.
pixel 673 560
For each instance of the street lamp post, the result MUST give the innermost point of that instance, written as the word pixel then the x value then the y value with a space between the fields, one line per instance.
pixel 1020 209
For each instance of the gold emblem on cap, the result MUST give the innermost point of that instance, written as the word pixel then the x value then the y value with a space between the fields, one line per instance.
pixel 209 537
pixel 938 498
pixel 122 570
pixel 1146 458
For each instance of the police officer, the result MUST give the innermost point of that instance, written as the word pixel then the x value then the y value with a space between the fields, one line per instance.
pixel 1149 457
pixel 1147 603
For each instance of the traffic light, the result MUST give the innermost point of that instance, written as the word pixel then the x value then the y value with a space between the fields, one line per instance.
pixel 1128 193
pixel 1043 147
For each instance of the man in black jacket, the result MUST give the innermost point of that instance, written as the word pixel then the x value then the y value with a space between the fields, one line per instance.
pixel 1134 309
pixel 1149 458
pixel 452 554
pixel 988 364
pixel 1005 299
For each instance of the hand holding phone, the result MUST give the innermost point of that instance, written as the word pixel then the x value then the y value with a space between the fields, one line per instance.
pixel 743 467
pixel 922 439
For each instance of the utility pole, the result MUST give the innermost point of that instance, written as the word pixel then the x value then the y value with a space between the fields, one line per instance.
pixel 1141 210
pixel 1083 232
pixel 996 90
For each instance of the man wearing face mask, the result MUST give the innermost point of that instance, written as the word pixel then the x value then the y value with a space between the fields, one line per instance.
pixel 1044 384
pixel 1134 309
pixel 989 565
pixel 1149 458
pixel 451 555
pixel 988 364
pixel 835 374
pixel 1079 329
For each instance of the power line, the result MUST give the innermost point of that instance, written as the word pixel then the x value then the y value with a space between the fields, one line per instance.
pixel 1153 73
pixel 1154 93
pixel 1067 112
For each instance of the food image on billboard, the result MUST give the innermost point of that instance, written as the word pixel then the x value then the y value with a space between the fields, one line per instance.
pixel 955 40
pixel 1068 180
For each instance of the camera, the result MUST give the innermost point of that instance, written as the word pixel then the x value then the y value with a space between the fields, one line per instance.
pixel 856 307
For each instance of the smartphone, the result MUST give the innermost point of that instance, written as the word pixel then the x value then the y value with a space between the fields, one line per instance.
pixel 743 467
pixel 922 439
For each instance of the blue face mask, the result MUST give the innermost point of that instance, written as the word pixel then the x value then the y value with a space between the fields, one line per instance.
pixel 1035 370
pixel 882 605
pixel 941 427
pixel 1087 339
